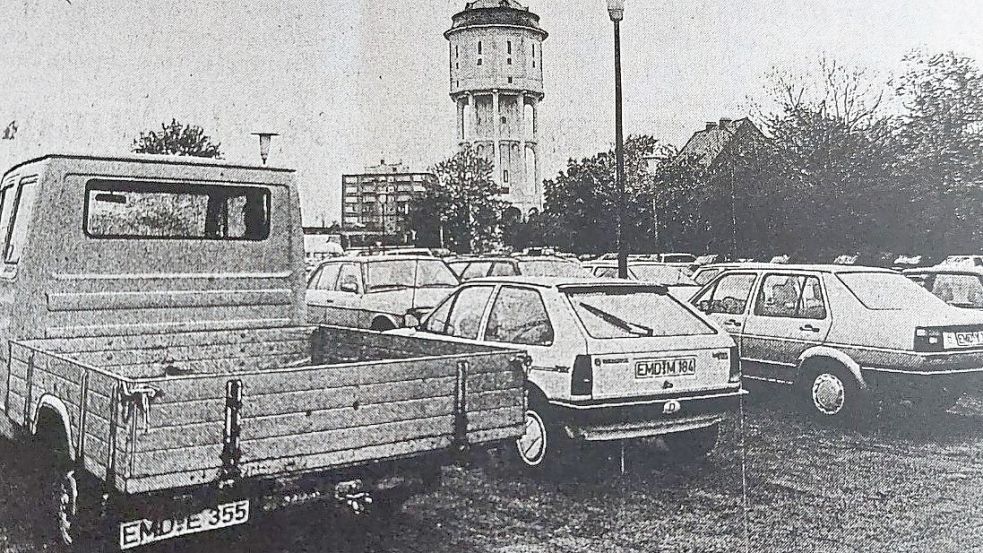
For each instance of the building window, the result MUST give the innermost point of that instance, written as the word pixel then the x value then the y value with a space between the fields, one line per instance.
pixel 510 80
pixel 505 175
pixel 509 61
pixel 457 52
pixel 509 47
pixel 479 47
pixel 457 65
pixel 479 61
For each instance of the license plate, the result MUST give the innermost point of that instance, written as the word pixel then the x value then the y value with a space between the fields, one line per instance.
pixel 142 532
pixel 666 368
pixel 973 339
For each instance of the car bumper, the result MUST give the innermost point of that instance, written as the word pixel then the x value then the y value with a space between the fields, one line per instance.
pixel 645 417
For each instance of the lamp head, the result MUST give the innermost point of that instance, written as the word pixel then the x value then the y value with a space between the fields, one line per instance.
pixel 616 9
pixel 264 144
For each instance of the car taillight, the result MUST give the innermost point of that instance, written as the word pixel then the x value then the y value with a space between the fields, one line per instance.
pixel 735 365
pixel 582 381
pixel 928 339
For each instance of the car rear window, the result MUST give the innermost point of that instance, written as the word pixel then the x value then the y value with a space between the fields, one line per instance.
pixel 663 274
pixel 887 291
pixel 634 312
pixel 552 268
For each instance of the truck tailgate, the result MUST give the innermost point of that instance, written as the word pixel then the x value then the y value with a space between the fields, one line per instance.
pixel 349 397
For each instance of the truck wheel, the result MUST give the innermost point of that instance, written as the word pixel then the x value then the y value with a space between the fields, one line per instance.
pixel 833 394
pixel 541 446
pixel 76 506
pixel 693 445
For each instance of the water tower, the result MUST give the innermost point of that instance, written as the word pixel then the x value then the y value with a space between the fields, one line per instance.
pixel 496 81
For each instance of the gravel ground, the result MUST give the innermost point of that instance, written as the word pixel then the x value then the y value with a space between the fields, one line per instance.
pixel 902 484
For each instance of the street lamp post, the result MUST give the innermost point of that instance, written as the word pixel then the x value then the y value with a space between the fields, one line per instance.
pixel 264 144
pixel 616 9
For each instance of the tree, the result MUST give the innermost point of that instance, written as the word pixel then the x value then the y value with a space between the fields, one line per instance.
pixel 941 169
pixel 460 205
pixel 177 139
pixel 581 202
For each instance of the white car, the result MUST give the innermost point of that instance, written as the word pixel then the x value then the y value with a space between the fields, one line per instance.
pixel 612 360
pixel 376 292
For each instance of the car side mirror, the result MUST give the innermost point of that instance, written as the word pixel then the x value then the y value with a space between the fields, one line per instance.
pixel 348 287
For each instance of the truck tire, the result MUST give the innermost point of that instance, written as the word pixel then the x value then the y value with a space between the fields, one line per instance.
pixel 542 447
pixel 833 394
pixel 77 509
pixel 693 445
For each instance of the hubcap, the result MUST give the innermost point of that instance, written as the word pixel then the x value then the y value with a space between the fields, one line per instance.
pixel 828 394
pixel 532 444
pixel 67 506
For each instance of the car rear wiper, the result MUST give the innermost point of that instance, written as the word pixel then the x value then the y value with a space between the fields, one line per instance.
pixel 617 321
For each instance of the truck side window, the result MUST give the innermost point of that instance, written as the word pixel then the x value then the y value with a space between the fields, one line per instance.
pixel 21 220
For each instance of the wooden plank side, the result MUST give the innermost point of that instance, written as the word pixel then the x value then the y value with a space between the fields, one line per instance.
pixel 295 464
pixel 188 413
pixel 273 404
pixel 495 418
pixel 178 354
pixel 226 367
pixel 293 424
pixel 497 399
pixel 347 438
pixel 304 379
pixel 170 339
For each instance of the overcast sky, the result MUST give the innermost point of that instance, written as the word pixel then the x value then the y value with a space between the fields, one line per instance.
pixel 349 82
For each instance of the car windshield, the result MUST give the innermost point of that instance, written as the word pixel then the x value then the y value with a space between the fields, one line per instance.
pixel 663 274
pixel 400 273
pixel 887 291
pixel 632 312
pixel 552 268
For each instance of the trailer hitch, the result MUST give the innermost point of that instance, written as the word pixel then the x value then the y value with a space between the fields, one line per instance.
pixel 133 396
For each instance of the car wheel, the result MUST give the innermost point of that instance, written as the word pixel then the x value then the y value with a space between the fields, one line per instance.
pixel 833 394
pixel 541 445
pixel 693 445
pixel 382 324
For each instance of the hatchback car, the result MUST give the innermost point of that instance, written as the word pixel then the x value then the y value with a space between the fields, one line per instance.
pixel 844 335
pixel 958 286
pixel 376 292
pixel 467 268
pixel 612 360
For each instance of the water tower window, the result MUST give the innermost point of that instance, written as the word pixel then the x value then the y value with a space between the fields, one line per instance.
pixel 505 175
pixel 479 61
pixel 457 52
pixel 509 46
pixel 509 61
pixel 510 80
pixel 479 47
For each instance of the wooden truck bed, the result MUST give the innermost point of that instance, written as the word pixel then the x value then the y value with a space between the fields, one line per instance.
pixel 163 411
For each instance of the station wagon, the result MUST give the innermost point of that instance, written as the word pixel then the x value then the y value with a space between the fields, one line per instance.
pixel 376 292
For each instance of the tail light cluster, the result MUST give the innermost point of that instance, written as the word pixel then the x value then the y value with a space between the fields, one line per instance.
pixel 735 365
pixel 582 381
pixel 928 339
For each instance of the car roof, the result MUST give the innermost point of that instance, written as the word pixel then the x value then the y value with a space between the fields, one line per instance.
pixel 558 282
pixel 818 267
pixel 945 269
pixel 370 258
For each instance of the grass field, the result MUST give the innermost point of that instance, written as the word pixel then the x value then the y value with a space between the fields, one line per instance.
pixel 902 484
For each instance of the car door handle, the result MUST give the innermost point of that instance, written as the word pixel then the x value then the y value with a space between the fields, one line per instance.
pixel 732 322
pixel 808 328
